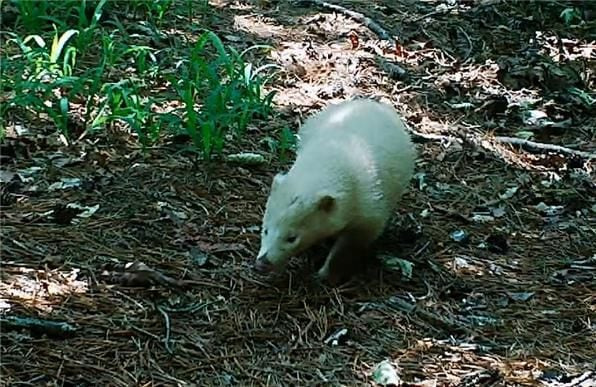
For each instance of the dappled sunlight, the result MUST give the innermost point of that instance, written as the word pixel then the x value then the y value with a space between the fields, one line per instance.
pixel 563 50
pixel 464 362
pixel 257 25
pixel 231 5
pixel 41 290
pixel 319 72
pixel 485 271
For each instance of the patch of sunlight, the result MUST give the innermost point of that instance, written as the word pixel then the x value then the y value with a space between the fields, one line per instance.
pixel 257 25
pixel 37 289
pixel 230 4
pixel 568 50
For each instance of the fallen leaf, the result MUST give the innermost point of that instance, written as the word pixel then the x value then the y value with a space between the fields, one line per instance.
pixel 536 118
pixel 509 193
pixel 197 256
pixel 394 263
pixel 481 218
pixel 498 211
pixel 86 212
pixel 65 183
pixel 139 274
pixel 549 210
pixel 460 263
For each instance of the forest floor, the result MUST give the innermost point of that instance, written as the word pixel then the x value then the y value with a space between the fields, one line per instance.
pixel 502 238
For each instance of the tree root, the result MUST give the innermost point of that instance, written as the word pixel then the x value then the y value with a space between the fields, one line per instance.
pixel 544 147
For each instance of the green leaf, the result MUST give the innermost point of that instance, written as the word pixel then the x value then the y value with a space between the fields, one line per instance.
pixel 38 39
pixel 394 263
pixel 97 13
pixel 58 44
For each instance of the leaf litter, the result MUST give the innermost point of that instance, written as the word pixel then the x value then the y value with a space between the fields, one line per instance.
pixel 518 311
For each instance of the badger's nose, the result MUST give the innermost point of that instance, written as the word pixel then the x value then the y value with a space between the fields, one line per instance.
pixel 262 264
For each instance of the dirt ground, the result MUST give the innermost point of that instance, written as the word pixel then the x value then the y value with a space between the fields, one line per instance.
pixel 503 238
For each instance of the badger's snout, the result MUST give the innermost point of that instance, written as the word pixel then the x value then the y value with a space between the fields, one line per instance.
pixel 263 264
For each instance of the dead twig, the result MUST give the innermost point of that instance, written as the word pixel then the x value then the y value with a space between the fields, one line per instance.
pixel 426 137
pixel 139 274
pixel 167 328
pixel 544 147
pixel 527 144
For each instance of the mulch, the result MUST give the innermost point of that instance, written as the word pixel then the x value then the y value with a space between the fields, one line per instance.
pixel 154 285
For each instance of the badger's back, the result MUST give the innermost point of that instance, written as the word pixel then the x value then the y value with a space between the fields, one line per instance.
pixel 360 139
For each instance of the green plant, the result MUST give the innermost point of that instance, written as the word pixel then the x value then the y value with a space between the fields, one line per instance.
pixel 32 12
pixel 87 27
pixel 128 105
pixel 287 142
pixel 140 55
pixel 44 61
pixel 74 86
pixel 149 8
pixel 220 93
pixel 44 83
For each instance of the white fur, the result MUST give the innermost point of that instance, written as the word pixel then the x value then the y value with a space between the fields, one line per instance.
pixel 357 153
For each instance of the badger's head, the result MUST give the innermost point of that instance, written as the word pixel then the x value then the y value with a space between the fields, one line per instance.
pixel 295 218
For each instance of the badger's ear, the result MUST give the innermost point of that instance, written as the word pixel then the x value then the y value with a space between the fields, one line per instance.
pixel 277 180
pixel 326 202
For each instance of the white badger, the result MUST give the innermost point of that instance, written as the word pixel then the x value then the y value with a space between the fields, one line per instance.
pixel 354 161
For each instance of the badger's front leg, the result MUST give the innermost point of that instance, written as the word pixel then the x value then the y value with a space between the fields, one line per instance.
pixel 349 250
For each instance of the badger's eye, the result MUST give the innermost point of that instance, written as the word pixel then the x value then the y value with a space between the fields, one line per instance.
pixel 265 232
pixel 291 239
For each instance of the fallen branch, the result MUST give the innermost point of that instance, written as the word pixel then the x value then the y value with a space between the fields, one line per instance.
pixel 544 147
pixel 527 144
pixel 419 137
pixel 357 16
pixel 433 318
pixel 37 326
pixel 394 71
